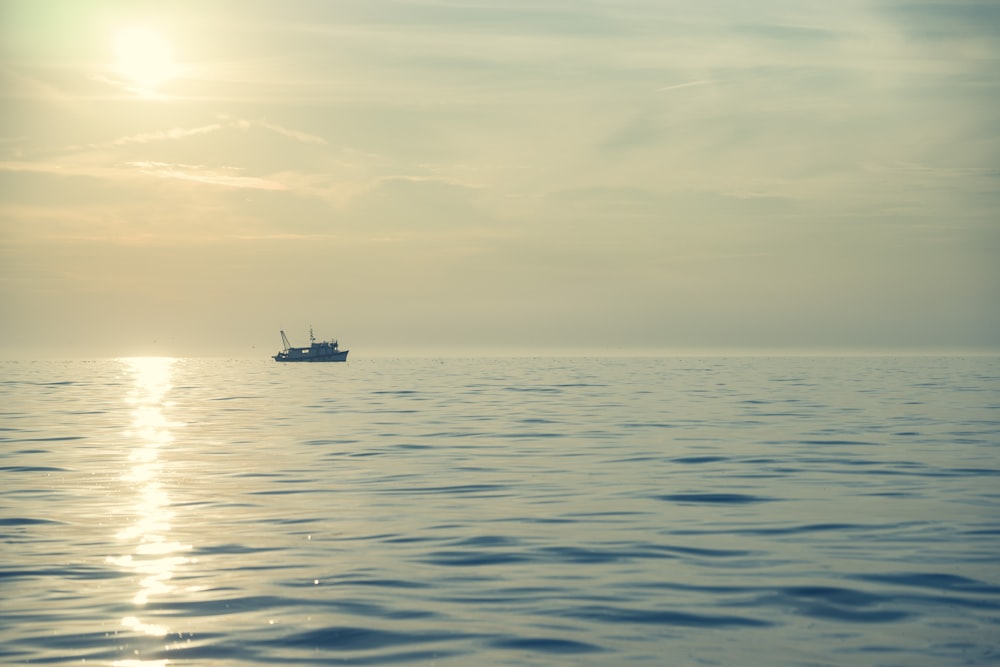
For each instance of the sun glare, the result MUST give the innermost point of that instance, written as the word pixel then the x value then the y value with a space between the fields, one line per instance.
pixel 142 58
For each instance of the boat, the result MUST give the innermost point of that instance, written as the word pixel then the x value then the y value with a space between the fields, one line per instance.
pixel 324 350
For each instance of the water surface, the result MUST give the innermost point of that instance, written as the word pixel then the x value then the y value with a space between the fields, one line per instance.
pixel 743 511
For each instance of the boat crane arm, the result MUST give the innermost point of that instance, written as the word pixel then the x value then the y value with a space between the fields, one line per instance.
pixel 284 341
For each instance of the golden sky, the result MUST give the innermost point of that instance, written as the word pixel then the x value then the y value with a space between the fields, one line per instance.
pixel 499 175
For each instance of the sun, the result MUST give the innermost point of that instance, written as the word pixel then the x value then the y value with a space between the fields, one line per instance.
pixel 143 60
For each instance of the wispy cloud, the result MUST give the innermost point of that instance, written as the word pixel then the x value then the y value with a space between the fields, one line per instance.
pixel 129 87
pixel 15 84
pixel 687 84
pixel 227 176
pixel 57 168
pixel 162 135
pixel 304 137
pixel 225 121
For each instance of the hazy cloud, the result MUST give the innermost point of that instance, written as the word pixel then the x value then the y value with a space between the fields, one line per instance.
pixel 227 176
pixel 686 84
pixel 304 137
pixel 163 135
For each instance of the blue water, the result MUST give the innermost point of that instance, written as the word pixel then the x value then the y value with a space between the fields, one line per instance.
pixel 554 511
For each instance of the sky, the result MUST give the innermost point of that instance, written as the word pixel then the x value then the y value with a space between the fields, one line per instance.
pixel 499 176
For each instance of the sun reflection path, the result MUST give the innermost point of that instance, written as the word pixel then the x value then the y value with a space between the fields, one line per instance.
pixel 151 555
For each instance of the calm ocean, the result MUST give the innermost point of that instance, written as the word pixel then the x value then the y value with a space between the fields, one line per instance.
pixel 548 511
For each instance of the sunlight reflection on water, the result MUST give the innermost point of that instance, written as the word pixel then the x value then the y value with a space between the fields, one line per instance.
pixel 151 555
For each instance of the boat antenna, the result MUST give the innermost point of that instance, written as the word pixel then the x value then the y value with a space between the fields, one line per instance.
pixel 312 339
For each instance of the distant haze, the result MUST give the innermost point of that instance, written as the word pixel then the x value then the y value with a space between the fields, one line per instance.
pixel 503 176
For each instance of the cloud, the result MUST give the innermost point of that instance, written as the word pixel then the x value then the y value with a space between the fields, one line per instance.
pixel 687 84
pixel 21 85
pixel 946 20
pixel 226 176
pixel 642 131
pixel 227 121
pixel 162 135
pixel 129 87
pixel 177 154
pixel 57 168
pixel 413 201
pixel 291 134
pixel 620 203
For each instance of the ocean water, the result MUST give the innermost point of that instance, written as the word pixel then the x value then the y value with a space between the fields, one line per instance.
pixel 549 511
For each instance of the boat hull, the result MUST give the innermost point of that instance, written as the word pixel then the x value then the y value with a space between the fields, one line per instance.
pixel 307 357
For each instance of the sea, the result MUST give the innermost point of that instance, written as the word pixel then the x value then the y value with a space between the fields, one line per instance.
pixel 738 511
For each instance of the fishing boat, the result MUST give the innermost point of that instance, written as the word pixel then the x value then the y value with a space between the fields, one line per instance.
pixel 324 350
